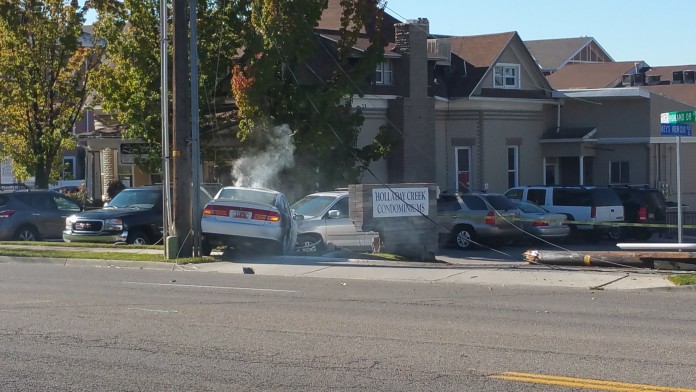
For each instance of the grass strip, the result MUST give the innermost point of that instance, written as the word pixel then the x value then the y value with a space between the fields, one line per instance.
pixel 59 244
pixel 100 255
pixel 683 279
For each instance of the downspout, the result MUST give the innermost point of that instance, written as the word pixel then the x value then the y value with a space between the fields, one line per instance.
pixel 558 117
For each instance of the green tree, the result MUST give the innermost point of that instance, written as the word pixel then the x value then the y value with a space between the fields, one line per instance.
pixel 128 86
pixel 44 73
pixel 269 87
pixel 270 41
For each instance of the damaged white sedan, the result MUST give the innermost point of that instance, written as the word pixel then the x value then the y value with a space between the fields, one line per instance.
pixel 255 219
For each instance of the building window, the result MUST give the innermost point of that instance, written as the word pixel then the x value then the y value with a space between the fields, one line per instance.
pixel 463 164
pixel 507 76
pixel 68 168
pixel 384 73
pixel 619 172
pixel 125 174
pixel 513 160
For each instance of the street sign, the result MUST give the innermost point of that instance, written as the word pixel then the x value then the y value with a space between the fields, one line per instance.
pixel 684 117
pixel 675 129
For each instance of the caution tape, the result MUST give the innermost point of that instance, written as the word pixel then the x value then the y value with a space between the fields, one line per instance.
pixel 570 222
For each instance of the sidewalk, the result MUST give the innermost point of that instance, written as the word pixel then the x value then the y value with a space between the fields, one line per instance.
pixel 455 270
pixel 473 271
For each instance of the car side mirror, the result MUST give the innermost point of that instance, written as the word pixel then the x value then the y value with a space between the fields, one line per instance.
pixel 333 214
pixel 298 216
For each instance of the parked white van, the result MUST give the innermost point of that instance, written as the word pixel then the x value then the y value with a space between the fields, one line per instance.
pixel 594 208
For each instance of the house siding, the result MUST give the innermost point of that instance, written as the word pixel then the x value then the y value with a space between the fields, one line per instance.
pixel 490 130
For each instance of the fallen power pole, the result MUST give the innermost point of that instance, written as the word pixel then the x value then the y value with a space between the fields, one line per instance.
pixel 606 258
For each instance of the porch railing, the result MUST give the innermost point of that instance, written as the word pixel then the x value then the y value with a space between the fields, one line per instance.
pixel 688 219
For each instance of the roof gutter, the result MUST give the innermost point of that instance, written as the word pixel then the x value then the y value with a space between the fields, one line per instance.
pixel 623 92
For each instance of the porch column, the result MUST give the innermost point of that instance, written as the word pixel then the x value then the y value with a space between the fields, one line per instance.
pixel 582 170
pixel 108 170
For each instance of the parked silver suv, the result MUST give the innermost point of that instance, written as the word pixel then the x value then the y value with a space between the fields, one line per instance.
pixel 323 222
pixel 466 219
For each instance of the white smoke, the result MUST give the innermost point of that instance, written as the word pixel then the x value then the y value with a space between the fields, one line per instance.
pixel 261 167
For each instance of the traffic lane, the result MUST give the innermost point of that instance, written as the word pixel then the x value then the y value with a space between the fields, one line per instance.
pixel 153 330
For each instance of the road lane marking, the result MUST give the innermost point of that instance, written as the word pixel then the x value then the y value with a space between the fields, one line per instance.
pixel 210 287
pixel 584 383
pixel 155 310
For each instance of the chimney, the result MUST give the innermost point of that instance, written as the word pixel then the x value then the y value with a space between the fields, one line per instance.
pixel 411 39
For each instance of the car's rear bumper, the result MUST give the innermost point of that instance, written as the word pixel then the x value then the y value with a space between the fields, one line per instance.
pixel 495 231
pixel 220 230
pixel 550 232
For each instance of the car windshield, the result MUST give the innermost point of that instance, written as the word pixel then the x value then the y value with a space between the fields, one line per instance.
pixel 136 198
pixel 248 195
pixel 311 206
pixel 530 208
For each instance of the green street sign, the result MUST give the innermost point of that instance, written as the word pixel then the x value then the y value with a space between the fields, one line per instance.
pixel 684 117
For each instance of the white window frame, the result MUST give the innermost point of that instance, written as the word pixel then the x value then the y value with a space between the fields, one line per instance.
pixel 384 73
pixel 552 164
pixel 624 178
pixel 125 173
pixel 456 166
pixel 501 76
pixel 515 166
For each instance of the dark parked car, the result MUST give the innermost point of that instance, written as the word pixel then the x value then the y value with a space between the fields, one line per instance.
pixel 133 216
pixel 642 205
pixel 33 215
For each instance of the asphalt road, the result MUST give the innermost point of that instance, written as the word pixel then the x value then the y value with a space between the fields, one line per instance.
pixel 111 329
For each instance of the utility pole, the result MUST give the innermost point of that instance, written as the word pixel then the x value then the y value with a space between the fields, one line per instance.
pixel 181 131
pixel 195 132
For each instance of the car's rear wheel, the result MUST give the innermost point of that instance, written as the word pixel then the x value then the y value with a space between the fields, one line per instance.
pixel 310 243
pixel 26 233
pixel 138 237
pixel 616 233
pixel 463 237
pixel 206 248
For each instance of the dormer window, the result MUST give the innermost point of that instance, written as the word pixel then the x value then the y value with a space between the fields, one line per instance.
pixel 384 73
pixel 507 76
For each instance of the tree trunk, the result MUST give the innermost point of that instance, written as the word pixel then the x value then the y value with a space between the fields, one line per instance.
pixel 41 176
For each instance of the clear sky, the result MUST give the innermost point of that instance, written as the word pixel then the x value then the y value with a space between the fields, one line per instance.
pixel 657 32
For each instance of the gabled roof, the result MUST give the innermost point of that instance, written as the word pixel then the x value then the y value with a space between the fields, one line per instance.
pixel 330 23
pixel 480 53
pixel 554 54
pixel 591 75
pixel 480 50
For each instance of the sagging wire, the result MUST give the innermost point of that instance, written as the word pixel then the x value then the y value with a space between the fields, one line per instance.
pixel 357 159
